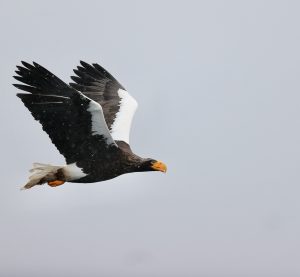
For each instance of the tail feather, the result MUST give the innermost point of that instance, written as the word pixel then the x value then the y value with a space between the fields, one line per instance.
pixel 41 174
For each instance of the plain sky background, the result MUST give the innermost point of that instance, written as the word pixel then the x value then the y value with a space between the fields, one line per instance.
pixel 218 86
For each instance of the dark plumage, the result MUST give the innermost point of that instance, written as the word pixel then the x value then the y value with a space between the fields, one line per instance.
pixel 88 121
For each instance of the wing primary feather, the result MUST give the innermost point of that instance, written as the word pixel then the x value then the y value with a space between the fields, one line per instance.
pixel 28 88
pixel 27 65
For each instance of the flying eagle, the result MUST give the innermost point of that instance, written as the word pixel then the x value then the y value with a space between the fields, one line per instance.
pixel 88 121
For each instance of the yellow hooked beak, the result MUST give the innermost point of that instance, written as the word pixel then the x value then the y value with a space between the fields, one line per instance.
pixel 159 166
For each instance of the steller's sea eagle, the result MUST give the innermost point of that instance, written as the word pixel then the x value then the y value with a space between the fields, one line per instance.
pixel 88 121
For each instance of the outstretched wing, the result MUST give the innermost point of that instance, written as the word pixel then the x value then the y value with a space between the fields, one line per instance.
pixel 74 122
pixel 117 104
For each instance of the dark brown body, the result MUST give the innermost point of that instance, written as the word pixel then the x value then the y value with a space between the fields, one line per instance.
pixel 120 160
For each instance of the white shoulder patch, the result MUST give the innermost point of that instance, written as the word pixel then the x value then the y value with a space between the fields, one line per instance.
pixel 99 126
pixel 120 129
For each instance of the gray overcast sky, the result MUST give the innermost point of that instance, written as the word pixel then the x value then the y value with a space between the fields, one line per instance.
pixel 218 89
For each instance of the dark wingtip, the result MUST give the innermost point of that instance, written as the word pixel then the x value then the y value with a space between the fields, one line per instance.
pixel 18 78
pixel 80 68
pixel 84 64
pixel 75 79
pixel 27 88
pixel 21 67
pixel 36 64
pixel 99 67
pixel 27 65
pixel 19 86
pixel 21 95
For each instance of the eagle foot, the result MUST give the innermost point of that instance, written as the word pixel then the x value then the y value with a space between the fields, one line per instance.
pixel 55 183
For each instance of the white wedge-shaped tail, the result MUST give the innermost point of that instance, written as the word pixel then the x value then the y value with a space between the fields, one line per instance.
pixel 42 173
